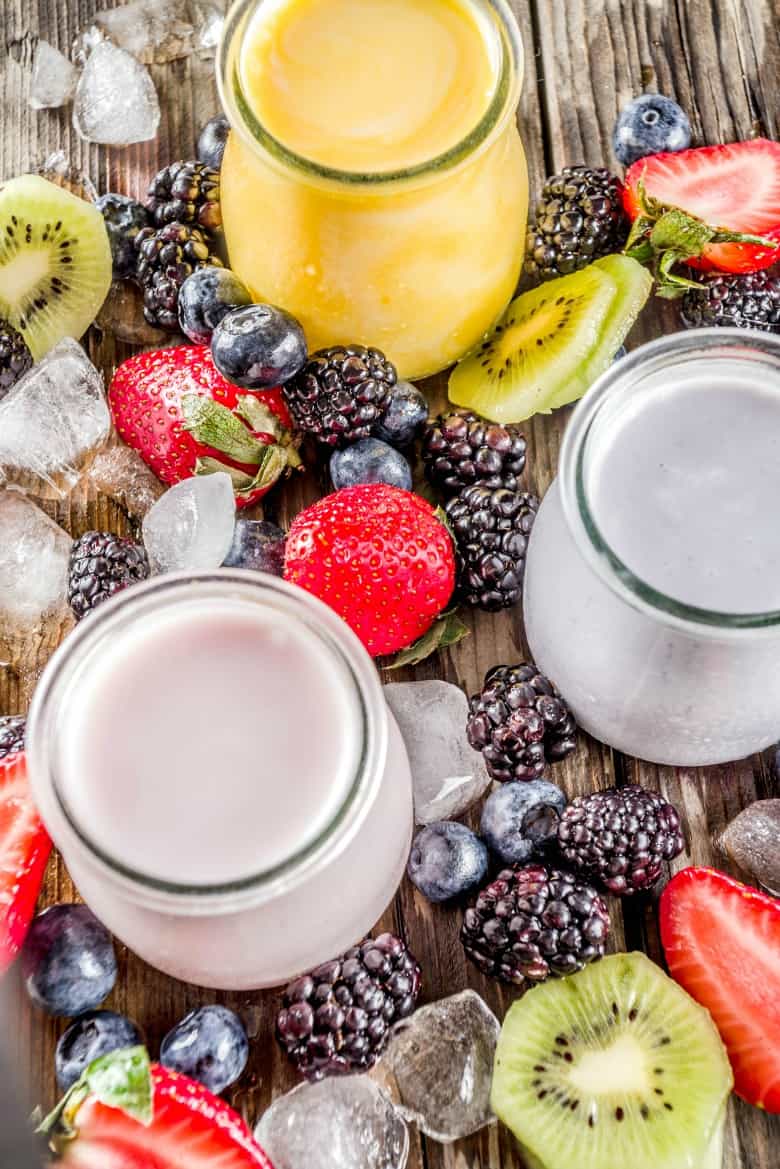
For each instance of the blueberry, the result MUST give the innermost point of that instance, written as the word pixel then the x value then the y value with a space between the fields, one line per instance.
pixel 209 1045
pixel 520 819
pixel 370 461
pixel 257 545
pixel 124 218
pixel 205 297
pixel 446 860
pixel 404 417
pixel 650 124
pixel 68 962
pixel 258 346
pixel 212 140
pixel 88 1037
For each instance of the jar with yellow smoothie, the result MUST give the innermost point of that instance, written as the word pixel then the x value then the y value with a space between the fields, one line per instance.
pixel 374 183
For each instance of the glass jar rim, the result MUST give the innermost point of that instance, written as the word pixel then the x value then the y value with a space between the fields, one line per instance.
pixel 149 599
pixel 622 377
pixel 502 106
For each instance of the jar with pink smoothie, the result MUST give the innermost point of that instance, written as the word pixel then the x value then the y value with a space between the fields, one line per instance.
pixel 214 758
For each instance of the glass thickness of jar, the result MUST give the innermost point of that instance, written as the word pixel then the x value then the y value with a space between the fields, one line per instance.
pixel 270 925
pixel 419 262
pixel 644 672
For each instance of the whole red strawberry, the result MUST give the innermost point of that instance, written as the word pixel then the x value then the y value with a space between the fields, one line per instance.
pixel 184 419
pixel 24 851
pixel 125 1113
pixel 722 944
pixel 380 557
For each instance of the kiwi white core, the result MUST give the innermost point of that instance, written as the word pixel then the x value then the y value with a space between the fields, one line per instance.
pixel 619 1068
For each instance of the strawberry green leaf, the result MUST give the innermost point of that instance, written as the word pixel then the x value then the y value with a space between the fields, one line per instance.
pixel 214 425
pixel 259 416
pixel 447 630
pixel 121 1079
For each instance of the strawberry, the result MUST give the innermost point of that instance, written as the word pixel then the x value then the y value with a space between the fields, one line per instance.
pixel 24 851
pixel 125 1113
pixel 184 419
pixel 379 556
pixel 722 944
pixel 715 207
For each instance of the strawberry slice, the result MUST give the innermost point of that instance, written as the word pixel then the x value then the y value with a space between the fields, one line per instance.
pixel 125 1113
pixel 24 851
pixel 733 188
pixel 722 944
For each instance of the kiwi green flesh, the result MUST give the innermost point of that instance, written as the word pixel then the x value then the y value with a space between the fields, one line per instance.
pixel 611 1068
pixel 539 352
pixel 55 262
pixel 634 284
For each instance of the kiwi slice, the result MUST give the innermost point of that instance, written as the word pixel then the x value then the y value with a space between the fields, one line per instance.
pixel 55 262
pixel 612 1068
pixel 634 284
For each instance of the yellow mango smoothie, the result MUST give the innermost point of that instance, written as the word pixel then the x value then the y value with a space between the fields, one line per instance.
pixel 374 182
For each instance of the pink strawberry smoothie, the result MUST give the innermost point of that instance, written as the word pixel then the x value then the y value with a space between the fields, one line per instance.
pixel 211 743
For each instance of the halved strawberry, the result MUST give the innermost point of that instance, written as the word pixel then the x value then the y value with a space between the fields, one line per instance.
pixel 24 851
pixel 125 1113
pixel 722 944
pixel 733 189
pixel 184 418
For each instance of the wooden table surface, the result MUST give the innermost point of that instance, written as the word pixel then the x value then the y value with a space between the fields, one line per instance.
pixel 721 60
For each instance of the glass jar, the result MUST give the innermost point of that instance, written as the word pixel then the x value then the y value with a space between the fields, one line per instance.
pixel 419 262
pixel 267 927
pixel 644 672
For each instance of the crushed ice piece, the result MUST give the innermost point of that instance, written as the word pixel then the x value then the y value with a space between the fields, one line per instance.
pixel 56 168
pixel 120 472
pixel 342 1122
pixel 752 842
pixel 441 1060
pixel 447 774
pixel 257 545
pixel 116 103
pixel 153 31
pixel 191 526
pixel 54 78
pixel 53 421
pixel 84 43
pixel 210 31
pixel 34 558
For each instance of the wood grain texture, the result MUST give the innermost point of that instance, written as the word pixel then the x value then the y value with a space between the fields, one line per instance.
pixel 584 58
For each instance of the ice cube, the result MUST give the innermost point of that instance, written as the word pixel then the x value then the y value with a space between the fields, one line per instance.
pixel 441 1060
pixel 57 169
pixel 212 18
pixel 84 44
pixel 257 545
pixel 448 775
pixel 343 1122
pixel 53 421
pixel 120 472
pixel 116 102
pixel 153 31
pixel 54 78
pixel 34 556
pixel 752 841
pixel 191 526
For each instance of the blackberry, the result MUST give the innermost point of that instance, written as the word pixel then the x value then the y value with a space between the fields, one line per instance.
pixel 186 192
pixel 341 393
pixel 459 448
pixel 534 921
pixel 335 1020
pixel 12 728
pixel 520 723
pixel 102 564
pixel 751 301
pixel 620 837
pixel 578 218
pixel 166 257
pixel 15 357
pixel 491 530
pixel 124 219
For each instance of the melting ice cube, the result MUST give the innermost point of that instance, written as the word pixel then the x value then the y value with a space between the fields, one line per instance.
pixel 54 78
pixel 153 31
pixel 191 526
pixel 120 472
pixel 116 102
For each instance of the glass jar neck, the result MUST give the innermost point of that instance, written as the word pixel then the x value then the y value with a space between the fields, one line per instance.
pixel 130 612
pixel 588 429
pixel 245 122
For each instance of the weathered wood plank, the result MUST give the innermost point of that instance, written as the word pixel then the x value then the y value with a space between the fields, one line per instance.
pixel 583 59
